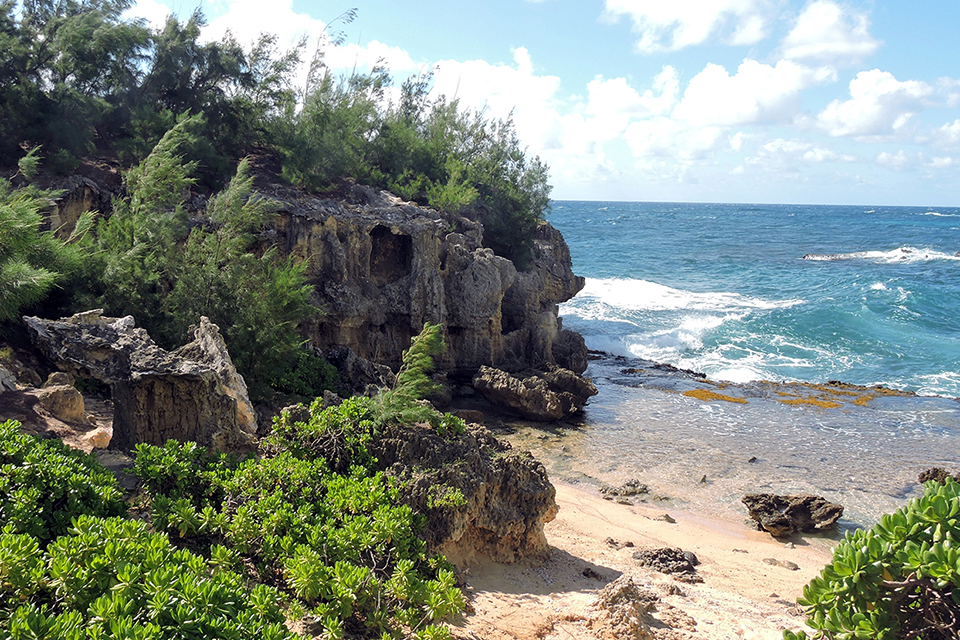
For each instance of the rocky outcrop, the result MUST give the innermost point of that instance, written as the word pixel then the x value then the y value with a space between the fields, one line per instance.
pixel 481 497
pixel 382 267
pixel 784 515
pixel 193 393
pixel 544 395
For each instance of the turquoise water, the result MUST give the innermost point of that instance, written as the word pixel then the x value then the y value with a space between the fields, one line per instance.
pixel 743 293
pixel 725 290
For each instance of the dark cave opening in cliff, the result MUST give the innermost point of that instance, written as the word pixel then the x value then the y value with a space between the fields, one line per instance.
pixel 391 255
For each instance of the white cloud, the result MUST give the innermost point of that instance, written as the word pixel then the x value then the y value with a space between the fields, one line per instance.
pixel 663 137
pixel 897 160
pixel 670 26
pixel 879 104
pixel 151 11
pixel 247 19
pixel 756 93
pixel 948 135
pixel 351 56
pixel 785 155
pixel 942 162
pixel 828 32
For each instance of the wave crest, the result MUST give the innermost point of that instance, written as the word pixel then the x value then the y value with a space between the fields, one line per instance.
pixel 900 255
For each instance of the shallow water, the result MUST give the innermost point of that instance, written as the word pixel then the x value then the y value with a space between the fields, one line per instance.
pixel 866 458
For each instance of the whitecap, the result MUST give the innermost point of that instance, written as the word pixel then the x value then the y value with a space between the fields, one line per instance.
pixel 900 255
pixel 878 286
pixel 643 295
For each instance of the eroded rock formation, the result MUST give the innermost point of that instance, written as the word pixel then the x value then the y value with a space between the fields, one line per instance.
pixel 382 267
pixel 784 515
pixel 507 497
pixel 193 393
pixel 547 394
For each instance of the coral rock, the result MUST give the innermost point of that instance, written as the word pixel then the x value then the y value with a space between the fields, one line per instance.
pixel 194 393
pixel 785 515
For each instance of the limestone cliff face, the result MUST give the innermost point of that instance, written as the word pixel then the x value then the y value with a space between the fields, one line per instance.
pixel 382 267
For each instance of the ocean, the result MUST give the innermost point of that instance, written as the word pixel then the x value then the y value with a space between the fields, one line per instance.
pixel 748 293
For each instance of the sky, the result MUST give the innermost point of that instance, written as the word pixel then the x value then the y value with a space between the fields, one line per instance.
pixel 753 101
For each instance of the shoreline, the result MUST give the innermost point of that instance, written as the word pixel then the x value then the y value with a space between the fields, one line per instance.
pixel 741 596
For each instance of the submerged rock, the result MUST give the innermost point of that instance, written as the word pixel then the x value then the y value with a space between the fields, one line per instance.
pixel 784 515
pixel 544 395
pixel 194 393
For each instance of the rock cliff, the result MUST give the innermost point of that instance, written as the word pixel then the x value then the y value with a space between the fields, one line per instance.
pixel 381 267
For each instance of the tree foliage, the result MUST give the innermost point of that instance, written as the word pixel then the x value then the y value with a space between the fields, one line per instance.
pixel 167 275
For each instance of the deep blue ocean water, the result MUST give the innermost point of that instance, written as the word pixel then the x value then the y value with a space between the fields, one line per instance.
pixel 724 289
pixel 866 295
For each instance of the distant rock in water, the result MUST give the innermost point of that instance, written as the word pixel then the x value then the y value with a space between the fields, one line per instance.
pixel 784 515
pixel 193 393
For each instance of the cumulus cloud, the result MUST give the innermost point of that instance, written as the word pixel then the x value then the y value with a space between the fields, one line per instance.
pixel 664 137
pixel 897 160
pixel 247 19
pixel 826 31
pixel 947 135
pixel 756 93
pixel 879 104
pixel 150 11
pixel 670 26
pixel 781 154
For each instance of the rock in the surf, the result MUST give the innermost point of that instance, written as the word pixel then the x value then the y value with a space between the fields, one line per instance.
pixel 547 394
pixel 785 515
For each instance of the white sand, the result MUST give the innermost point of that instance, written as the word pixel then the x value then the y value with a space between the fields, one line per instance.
pixel 740 597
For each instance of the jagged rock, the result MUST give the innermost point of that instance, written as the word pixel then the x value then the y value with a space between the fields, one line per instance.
pixel 194 393
pixel 550 394
pixel 785 515
pixel 7 380
pixel 358 373
pixel 507 496
pixel 63 402
pixel 624 611
pixel 382 267
pixel 632 487
pixel 670 560
pixel 59 379
pixel 937 474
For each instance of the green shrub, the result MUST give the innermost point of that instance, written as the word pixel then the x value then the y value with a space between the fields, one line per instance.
pixel 900 579
pixel 112 578
pixel 45 485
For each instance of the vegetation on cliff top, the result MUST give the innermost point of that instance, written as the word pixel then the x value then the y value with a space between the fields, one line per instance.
pixel 80 80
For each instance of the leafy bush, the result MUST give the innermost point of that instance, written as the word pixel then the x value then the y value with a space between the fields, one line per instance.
pixel 112 578
pixel 313 514
pixel 900 579
pixel 45 485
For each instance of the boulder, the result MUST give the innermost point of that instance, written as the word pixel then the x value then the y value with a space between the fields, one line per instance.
pixel 194 393
pixel 784 515
pixel 63 402
pixel 624 611
pixel 8 382
pixel 506 496
pixel 548 394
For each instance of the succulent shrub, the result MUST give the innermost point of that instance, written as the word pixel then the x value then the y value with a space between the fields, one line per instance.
pixel 900 579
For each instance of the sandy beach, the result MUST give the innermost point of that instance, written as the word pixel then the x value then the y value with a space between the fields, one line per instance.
pixel 592 543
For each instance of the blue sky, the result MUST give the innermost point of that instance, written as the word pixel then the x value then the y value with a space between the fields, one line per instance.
pixel 780 101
